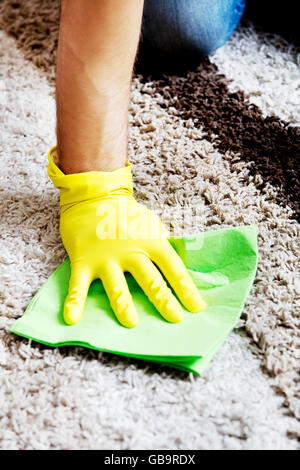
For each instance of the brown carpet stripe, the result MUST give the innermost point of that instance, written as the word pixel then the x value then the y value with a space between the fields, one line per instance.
pixel 269 145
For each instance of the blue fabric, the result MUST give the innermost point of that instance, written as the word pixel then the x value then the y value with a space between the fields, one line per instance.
pixel 196 27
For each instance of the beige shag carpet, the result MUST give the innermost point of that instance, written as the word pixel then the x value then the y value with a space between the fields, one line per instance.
pixel 211 148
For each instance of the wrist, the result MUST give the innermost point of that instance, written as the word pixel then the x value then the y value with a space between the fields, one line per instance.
pixel 97 163
pixel 106 153
pixel 92 131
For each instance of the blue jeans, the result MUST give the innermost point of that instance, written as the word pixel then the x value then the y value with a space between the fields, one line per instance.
pixel 189 27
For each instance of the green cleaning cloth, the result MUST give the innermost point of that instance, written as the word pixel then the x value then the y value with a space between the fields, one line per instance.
pixel 222 264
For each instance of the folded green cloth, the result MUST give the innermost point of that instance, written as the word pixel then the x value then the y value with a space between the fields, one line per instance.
pixel 222 264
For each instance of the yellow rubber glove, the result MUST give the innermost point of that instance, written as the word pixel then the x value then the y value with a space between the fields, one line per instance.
pixel 106 232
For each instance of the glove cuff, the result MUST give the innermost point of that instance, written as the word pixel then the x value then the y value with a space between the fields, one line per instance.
pixel 80 187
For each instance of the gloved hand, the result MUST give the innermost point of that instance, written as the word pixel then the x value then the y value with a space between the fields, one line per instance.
pixel 106 232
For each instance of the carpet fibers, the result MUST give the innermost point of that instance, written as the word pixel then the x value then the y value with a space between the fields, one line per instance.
pixel 212 147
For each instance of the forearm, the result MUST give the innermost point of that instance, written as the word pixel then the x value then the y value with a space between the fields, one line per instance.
pixel 98 40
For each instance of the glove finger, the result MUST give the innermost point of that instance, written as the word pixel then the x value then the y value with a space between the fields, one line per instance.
pixel 173 268
pixel 120 299
pixel 79 284
pixel 156 289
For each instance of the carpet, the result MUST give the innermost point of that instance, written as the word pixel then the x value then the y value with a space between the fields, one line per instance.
pixel 211 148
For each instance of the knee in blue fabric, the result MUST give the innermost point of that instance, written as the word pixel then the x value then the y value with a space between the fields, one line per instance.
pixel 189 27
